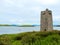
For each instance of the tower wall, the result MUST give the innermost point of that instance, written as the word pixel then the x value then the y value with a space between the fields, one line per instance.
pixel 46 20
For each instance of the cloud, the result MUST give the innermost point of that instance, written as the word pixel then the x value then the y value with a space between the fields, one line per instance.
pixel 47 2
pixel 22 3
pixel 16 20
pixel 56 18
pixel 12 9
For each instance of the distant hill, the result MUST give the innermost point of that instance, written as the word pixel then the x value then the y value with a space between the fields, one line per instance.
pixel 24 25
pixel 18 25
pixel 56 25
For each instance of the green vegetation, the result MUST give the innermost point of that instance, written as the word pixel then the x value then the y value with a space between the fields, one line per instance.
pixel 4 25
pixel 7 25
pixel 31 38
pixel 27 26
pixel 17 25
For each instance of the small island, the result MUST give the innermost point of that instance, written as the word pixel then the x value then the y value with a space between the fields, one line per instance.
pixel 17 25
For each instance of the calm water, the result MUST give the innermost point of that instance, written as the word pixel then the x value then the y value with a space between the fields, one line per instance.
pixel 12 29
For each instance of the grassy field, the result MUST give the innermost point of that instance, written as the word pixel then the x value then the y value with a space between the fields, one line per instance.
pixel 31 38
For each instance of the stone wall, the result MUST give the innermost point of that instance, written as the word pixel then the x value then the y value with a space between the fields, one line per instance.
pixel 46 20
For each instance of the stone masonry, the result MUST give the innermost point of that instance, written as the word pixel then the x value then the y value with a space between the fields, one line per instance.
pixel 46 20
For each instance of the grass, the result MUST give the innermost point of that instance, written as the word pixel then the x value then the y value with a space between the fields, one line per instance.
pixel 31 38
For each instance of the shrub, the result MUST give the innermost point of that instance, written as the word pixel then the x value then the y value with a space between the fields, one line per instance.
pixel 5 40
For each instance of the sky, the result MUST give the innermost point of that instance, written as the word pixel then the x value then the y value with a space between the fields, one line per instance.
pixel 27 11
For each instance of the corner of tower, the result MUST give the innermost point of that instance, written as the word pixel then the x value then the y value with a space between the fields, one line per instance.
pixel 47 9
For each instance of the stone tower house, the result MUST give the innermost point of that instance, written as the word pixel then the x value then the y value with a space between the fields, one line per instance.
pixel 46 20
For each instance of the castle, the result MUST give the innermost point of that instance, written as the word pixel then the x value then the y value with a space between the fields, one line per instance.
pixel 46 20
